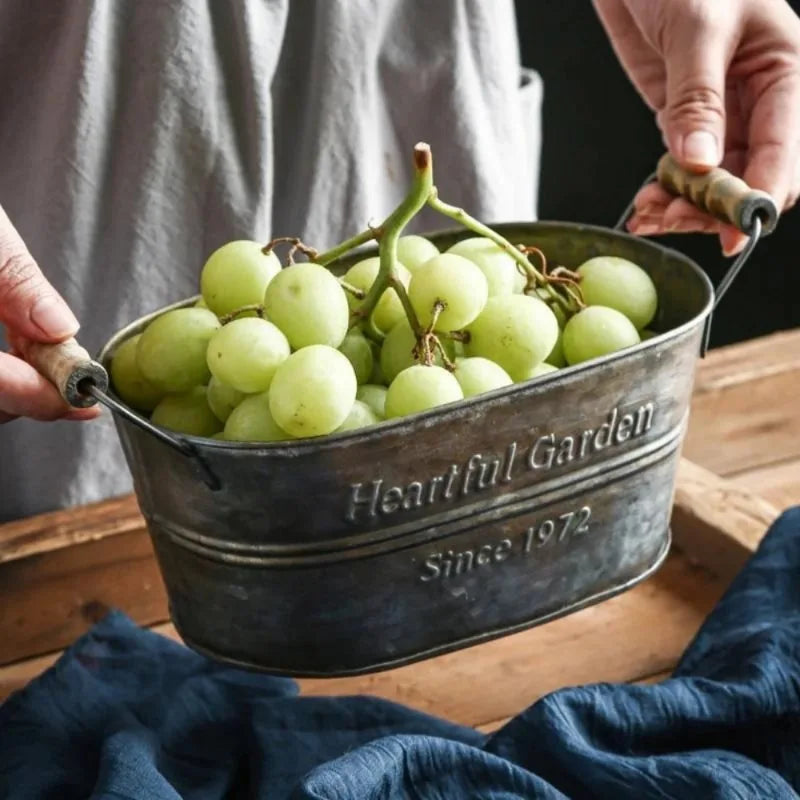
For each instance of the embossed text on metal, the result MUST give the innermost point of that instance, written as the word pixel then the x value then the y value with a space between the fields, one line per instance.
pixel 480 472
pixel 452 563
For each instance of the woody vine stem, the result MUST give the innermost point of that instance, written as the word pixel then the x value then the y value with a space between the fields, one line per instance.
pixel 557 288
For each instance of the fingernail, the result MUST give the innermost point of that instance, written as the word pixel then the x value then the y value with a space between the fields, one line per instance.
pixel 735 250
pixel 700 148
pixel 53 318
pixel 83 414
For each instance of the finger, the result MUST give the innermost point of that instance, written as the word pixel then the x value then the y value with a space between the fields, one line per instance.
pixel 697 45
pixel 28 303
pixel 794 192
pixel 25 393
pixel 640 60
pixel 772 155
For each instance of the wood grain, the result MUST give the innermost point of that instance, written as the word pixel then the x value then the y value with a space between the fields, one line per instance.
pixel 618 640
pixel 613 641
pixel 48 532
pixel 718 192
pixel 778 483
pixel 744 411
pixel 716 522
pixel 49 599
pixel 103 558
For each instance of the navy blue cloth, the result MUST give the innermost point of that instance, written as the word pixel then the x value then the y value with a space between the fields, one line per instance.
pixel 126 713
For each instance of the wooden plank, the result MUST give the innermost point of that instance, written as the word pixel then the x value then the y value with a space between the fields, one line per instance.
pixel 745 362
pixel 47 532
pixel 744 407
pixel 716 522
pixel 778 483
pixel 48 600
pixel 612 641
pixel 641 632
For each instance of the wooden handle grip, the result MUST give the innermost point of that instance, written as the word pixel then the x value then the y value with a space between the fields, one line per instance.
pixel 721 194
pixel 66 365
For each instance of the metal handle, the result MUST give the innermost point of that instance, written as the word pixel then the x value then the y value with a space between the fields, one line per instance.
pixel 83 382
pixel 69 368
pixel 720 194
pixel 728 199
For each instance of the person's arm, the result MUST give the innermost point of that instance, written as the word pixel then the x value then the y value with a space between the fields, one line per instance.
pixel 723 77
pixel 30 309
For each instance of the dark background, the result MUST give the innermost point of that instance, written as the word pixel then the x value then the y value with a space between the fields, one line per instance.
pixel 600 142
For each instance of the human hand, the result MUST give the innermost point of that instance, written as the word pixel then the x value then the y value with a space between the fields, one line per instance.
pixel 31 310
pixel 724 81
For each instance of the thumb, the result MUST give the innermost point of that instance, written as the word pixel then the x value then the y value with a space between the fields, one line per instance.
pixel 29 305
pixel 696 53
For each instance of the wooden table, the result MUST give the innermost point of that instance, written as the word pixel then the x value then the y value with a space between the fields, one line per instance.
pixel 60 572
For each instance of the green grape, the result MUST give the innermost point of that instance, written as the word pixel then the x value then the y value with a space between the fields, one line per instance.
pixel 597 331
pixel 187 412
pixel 515 331
pixel 397 351
pixel 498 266
pixel 556 356
pixel 374 396
pixel 419 388
pixel 619 284
pixel 313 391
pixel 520 280
pixel 388 310
pixel 359 353
pixel 236 275
pixel 222 399
pixel 646 333
pixel 455 282
pixel 245 354
pixel 540 369
pixel 414 251
pixel 129 383
pixel 201 303
pixel 219 435
pixel 307 303
pixel 252 421
pixel 360 416
pixel 172 349
pixel 377 375
pixel 556 308
pixel 478 375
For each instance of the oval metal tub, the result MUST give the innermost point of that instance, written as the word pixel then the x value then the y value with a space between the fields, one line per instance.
pixel 375 548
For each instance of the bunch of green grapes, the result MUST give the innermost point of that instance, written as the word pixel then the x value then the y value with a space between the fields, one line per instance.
pixel 275 353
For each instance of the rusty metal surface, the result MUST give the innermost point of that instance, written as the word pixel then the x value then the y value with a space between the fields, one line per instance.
pixel 374 548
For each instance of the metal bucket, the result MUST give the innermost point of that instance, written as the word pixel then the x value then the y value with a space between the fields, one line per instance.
pixel 375 548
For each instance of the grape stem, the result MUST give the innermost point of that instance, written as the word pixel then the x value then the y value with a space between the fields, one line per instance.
pixel 323 259
pixel 398 286
pixel 428 342
pixel 257 307
pixel 461 216
pixel 422 193
pixel 296 243
pixel 359 294
pixel 391 229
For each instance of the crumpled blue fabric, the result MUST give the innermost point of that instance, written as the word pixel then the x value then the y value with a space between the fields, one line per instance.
pixel 126 713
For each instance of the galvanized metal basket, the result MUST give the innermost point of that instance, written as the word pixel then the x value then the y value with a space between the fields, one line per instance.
pixel 374 548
